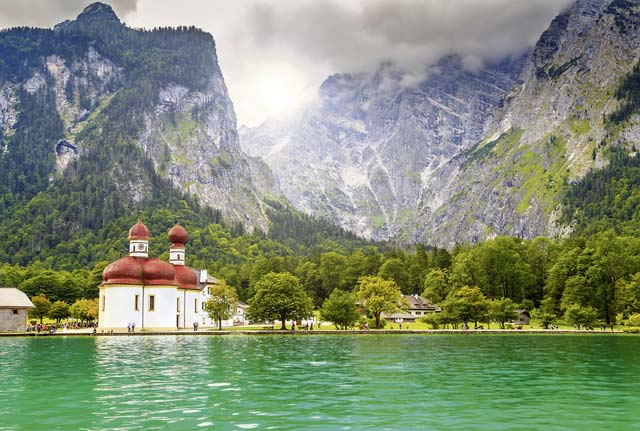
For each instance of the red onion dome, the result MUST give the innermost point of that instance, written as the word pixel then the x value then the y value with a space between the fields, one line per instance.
pixel 139 231
pixel 177 235
pixel 123 271
pixel 158 272
pixel 186 278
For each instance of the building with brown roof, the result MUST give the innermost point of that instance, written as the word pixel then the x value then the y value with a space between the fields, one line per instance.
pixel 418 307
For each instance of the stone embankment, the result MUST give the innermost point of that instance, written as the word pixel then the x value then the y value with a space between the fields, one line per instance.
pixel 303 333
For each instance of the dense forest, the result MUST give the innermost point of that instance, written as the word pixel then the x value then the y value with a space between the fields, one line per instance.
pixel 607 198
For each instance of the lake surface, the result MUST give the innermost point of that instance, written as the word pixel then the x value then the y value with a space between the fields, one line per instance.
pixel 344 382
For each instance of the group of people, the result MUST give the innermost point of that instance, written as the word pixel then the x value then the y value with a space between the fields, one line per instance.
pixel 308 326
pixel 53 328
pixel 131 327
pixel 41 327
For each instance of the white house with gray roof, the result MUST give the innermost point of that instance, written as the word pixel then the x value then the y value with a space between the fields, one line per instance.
pixel 417 307
pixel 13 310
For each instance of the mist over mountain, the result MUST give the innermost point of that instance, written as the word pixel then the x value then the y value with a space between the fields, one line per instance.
pixel 360 154
pixel 462 153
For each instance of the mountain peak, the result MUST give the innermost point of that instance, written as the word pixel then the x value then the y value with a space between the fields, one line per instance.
pixel 96 15
pixel 98 11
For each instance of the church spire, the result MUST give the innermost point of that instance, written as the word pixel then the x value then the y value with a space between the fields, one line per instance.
pixel 139 240
pixel 178 237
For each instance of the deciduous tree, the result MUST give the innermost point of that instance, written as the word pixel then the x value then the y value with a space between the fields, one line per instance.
pixel 59 310
pixel 467 304
pixel 394 269
pixel 279 296
pixel 222 304
pixel 436 286
pixel 85 310
pixel 340 308
pixel 581 316
pixel 501 311
pixel 628 295
pixel 331 271
pixel 378 296
pixel 41 307
pixel 544 318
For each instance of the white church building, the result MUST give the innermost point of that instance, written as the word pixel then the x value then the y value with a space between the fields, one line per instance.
pixel 151 293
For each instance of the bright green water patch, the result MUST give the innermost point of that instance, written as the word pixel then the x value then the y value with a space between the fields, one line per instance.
pixel 373 382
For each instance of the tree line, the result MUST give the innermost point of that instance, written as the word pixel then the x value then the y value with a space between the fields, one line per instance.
pixel 83 310
pixel 578 280
pixel 597 277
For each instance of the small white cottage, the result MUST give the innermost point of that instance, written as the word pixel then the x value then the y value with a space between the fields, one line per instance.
pixel 417 308
pixel 13 310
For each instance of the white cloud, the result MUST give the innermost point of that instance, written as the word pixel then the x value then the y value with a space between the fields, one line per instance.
pixel 301 42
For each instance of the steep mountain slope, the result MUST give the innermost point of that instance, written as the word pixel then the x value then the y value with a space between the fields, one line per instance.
pixel 463 155
pixel 99 121
pixel 99 84
pixel 552 130
pixel 360 154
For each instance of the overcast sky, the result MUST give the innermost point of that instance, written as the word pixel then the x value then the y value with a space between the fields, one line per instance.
pixel 275 54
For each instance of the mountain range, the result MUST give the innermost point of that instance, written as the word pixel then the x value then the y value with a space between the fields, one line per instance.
pixel 99 121
pixel 462 153
pixel 363 153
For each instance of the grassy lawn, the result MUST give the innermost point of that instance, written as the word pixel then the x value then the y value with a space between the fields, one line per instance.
pixel 417 325
pixel 420 326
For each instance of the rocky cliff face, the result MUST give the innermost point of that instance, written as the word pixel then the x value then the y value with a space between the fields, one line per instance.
pixel 182 118
pixel 200 154
pixel 361 154
pixel 550 131
pixel 463 155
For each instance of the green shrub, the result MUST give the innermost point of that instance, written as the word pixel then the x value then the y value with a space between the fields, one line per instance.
pixel 431 319
pixel 372 323
pixel 633 320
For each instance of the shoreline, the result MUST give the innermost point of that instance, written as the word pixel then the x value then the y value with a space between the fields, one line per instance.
pixel 321 332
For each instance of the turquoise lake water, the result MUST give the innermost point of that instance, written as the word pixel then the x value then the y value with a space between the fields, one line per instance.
pixel 344 382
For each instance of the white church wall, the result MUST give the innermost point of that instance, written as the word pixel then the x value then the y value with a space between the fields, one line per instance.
pixel 165 314
pixel 117 306
pixel 192 311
